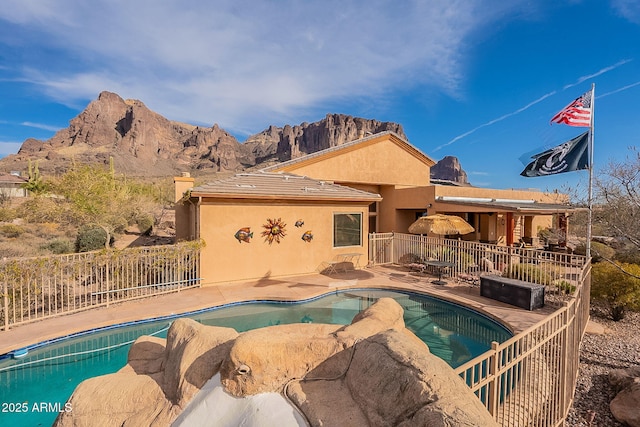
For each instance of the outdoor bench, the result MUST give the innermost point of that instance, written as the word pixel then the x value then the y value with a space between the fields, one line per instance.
pixel 512 291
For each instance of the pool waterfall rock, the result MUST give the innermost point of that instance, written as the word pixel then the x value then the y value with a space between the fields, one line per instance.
pixel 371 372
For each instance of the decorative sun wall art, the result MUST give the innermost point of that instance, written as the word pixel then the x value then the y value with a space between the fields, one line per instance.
pixel 274 230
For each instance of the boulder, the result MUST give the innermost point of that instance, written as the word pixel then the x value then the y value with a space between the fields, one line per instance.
pixel 193 355
pixel 264 360
pixel 624 406
pixel 146 356
pixel 115 400
pixel 385 314
pixel 387 380
pixel 159 379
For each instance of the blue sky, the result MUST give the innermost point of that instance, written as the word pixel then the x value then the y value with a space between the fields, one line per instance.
pixel 476 79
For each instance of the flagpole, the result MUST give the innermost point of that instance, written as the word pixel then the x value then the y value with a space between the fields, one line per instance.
pixel 590 191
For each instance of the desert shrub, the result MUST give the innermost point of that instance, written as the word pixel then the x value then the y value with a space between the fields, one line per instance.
pixel 11 230
pixel 15 248
pixel 629 256
pixel 145 224
pixel 60 246
pixel 463 260
pixel 7 214
pixel 47 210
pixel 91 238
pixel 612 285
pixel 46 229
pixel 599 251
pixel 409 258
pixel 564 286
pixel 528 273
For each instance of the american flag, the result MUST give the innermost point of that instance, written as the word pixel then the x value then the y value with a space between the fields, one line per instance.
pixel 578 113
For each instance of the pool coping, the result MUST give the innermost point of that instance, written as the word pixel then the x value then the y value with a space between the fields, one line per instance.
pixel 282 290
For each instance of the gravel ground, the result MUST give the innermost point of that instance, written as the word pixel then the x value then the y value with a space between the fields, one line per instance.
pixel 617 348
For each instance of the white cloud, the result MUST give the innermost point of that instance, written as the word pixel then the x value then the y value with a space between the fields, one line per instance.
pixel 41 126
pixel 629 86
pixel 239 62
pixel 628 9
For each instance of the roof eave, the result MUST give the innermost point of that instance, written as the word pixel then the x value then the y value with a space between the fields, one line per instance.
pixel 273 197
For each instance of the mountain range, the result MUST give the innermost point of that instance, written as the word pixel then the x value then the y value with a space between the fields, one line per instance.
pixel 141 142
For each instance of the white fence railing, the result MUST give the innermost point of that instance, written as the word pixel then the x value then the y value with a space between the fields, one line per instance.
pixel 530 379
pixel 37 288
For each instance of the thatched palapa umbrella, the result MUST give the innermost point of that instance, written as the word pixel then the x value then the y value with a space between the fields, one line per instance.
pixel 440 224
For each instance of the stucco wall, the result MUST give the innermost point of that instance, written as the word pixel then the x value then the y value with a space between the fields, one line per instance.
pixel 379 161
pixel 13 190
pixel 224 259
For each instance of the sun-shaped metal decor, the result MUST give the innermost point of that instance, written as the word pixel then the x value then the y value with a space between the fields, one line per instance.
pixel 274 230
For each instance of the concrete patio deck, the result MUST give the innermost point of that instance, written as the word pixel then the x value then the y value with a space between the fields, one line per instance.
pixel 284 289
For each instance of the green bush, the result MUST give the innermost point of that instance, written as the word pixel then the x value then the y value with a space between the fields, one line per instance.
pixel 565 287
pixel 629 256
pixel 599 251
pixel 615 286
pixel 91 238
pixel 59 246
pixel 528 273
pixel 11 230
pixel 7 214
pixel 145 224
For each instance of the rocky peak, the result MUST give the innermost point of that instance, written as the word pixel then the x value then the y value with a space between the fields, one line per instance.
pixel 449 169
pixel 142 142
pixel 290 142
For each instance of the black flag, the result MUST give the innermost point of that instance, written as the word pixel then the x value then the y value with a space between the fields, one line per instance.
pixel 570 156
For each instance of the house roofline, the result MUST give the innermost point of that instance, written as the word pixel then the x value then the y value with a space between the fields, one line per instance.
pixel 311 158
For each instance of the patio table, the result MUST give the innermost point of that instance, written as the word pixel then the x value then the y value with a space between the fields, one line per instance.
pixel 441 266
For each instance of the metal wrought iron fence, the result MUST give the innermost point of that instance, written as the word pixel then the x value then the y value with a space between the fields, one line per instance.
pixel 560 272
pixel 530 379
pixel 37 288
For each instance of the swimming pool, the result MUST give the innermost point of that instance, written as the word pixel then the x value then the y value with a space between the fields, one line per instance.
pixel 37 386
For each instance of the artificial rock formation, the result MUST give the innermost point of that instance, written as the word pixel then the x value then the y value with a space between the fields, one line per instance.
pixel 624 406
pixel 373 372
pixel 160 378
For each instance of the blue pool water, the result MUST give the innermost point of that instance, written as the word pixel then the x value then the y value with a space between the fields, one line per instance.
pixel 34 388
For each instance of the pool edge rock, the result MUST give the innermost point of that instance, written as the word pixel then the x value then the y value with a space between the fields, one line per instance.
pixel 372 361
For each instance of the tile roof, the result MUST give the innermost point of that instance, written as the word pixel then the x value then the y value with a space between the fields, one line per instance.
pixel 265 185
pixel 343 146
pixel 10 178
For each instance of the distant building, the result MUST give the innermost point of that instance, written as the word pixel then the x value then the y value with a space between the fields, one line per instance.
pixel 11 185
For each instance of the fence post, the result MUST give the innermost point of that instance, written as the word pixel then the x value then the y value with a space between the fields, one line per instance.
pixel 106 280
pixel 5 297
pixel 393 242
pixel 567 350
pixel 493 397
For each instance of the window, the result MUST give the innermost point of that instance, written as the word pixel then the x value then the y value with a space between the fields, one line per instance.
pixel 347 229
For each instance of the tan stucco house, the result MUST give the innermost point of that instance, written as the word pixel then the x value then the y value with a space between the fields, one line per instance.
pixel 380 182
pixel 12 185
pixel 262 225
